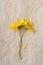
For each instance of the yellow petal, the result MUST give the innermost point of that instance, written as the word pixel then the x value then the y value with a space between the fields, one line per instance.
pixel 31 29
pixel 22 21
pixel 26 21
pixel 17 21
pixel 12 25
pixel 24 46
pixel 30 23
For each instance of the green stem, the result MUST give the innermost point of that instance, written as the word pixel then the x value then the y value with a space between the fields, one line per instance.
pixel 20 44
pixel 20 47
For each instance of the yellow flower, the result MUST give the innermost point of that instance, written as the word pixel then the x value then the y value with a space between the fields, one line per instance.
pixel 23 23
pixel 27 24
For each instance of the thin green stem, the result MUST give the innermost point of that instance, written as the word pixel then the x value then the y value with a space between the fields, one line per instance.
pixel 20 44
pixel 20 47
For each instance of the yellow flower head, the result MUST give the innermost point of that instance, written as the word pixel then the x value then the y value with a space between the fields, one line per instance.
pixel 24 22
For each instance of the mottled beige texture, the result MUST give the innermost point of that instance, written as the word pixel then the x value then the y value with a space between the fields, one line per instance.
pixel 9 40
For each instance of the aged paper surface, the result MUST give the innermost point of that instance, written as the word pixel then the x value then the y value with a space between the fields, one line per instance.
pixel 9 40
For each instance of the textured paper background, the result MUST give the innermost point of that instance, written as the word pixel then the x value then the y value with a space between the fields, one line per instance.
pixel 9 40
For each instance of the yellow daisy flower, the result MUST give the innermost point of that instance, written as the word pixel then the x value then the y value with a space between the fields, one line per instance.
pixel 27 24
pixel 23 23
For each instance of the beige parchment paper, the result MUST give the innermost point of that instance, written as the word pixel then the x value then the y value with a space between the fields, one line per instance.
pixel 9 40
